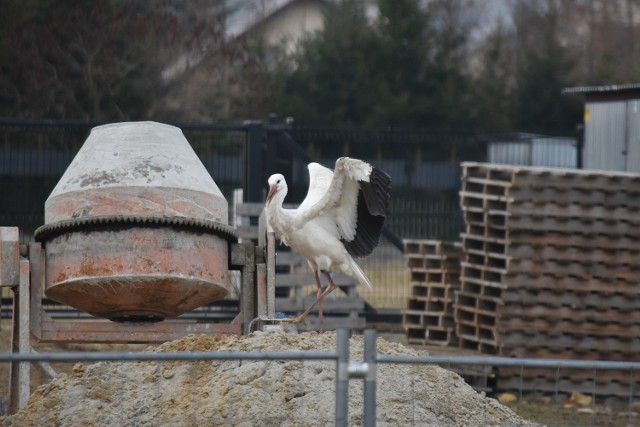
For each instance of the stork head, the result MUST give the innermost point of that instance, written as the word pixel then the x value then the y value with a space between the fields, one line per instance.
pixel 277 185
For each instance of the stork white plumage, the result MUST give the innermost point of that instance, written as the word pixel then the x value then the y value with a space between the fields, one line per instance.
pixel 340 219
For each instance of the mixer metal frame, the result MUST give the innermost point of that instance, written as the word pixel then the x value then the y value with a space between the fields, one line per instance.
pixel 25 276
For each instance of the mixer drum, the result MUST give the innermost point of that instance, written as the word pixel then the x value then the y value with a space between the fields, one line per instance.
pixel 136 229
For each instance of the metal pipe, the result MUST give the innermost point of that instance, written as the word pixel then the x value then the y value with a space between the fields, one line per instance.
pixel 370 353
pixel 342 378
pixel 271 274
pixel 164 357
pixel 507 361
pixel 24 346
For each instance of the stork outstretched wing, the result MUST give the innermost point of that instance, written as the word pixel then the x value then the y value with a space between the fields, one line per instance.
pixel 355 196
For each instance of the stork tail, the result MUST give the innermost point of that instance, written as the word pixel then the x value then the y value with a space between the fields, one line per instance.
pixel 357 271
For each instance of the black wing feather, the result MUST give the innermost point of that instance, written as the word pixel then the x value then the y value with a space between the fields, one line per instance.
pixel 373 205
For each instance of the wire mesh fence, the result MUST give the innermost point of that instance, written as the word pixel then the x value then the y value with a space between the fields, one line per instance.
pixel 34 156
pixel 423 166
pixel 348 401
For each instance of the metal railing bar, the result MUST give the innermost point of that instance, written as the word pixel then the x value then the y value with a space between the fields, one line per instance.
pixel 82 124
pixel 317 355
pixel 370 380
pixel 342 379
pixel 512 362
pixel 165 356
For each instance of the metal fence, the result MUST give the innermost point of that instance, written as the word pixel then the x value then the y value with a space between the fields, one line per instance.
pixel 35 154
pixel 424 168
pixel 367 369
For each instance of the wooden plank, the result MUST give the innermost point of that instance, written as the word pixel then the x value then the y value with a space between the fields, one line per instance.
pixel 627 272
pixel 487 304
pixel 482 243
pixel 487 230
pixel 433 304
pixel 440 336
pixel 527 176
pixel 482 287
pixel 439 321
pixel 331 323
pixel 472 344
pixel 480 259
pixel 543 325
pixel 567 353
pixel 600 181
pixel 412 318
pixel 562 239
pixel 583 255
pixel 304 279
pixel 436 292
pixel 491 276
pixel 475 317
pixel 98 331
pixel 497 271
pixel 487 220
pixel 445 292
pixel 488 182
pixel 573 225
pixel 560 282
pixel 576 298
pixel 559 209
pixel 435 276
pixel 330 305
pixel 525 342
pixel 578 196
pixel 539 313
pixel 478 334
pixel 479 202
pixel 480 290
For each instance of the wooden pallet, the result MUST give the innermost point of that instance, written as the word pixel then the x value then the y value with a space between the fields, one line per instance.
pixel 550 261
pixel 435 269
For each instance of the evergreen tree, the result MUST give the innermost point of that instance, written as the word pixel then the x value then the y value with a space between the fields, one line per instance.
pixel 544 69
pixel 405 69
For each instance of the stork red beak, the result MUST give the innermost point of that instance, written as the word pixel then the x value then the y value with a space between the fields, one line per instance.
pixel 272 191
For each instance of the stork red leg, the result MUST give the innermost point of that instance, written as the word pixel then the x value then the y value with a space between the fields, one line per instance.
pixel 321 294
pixel 319 299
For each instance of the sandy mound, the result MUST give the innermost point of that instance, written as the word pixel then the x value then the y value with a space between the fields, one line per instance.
pixel 269 393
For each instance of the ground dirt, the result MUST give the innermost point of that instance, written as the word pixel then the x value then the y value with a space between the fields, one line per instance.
pixel 265 393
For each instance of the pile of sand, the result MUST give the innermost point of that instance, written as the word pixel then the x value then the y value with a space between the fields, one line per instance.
pixel 266 393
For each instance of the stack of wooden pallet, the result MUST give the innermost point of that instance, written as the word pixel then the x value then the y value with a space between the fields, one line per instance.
pixel 550 264
pixel 435 276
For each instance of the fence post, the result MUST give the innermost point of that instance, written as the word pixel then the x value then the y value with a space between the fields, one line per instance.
pixel 342 378
pixel 254 161
pixel 370 355
pixel 580 146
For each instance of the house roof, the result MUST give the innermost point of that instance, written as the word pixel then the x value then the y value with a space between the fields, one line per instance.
pixel 603 89
pixel 243 15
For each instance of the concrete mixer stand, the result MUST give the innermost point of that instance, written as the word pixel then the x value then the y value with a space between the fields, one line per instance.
pixel 22 269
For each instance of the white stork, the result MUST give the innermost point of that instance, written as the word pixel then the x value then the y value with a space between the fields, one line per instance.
pixel 341 218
